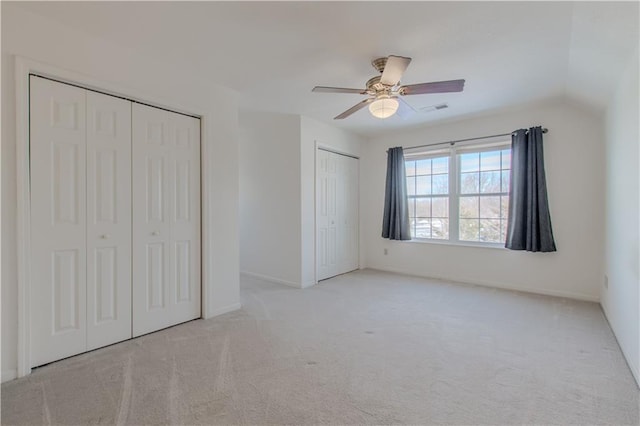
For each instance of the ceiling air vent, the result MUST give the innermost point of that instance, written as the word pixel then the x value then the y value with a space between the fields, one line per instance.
pixel 434 107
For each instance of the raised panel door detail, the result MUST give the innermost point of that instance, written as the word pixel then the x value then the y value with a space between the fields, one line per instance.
pixel 182 190
pixel 105 123
pixel 331 246
pixel 64 114
pixel 331 195
pixel 155 276
pixel 155 189
pixel 322 248
pixel 64 181
pixel 156 133
pixel 105 186
pixel 183 138
pixel 65 282
pixel 183 271
pixel 105 282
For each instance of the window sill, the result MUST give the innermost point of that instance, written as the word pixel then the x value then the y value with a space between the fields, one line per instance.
pixel 495 246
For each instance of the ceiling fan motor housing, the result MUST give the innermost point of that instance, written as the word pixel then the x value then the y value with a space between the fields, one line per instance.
pixel 374 86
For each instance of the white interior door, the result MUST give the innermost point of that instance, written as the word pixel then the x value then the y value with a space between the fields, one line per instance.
pixel 108 220
pixel 58 220
pixel 166 219
pixel 336 214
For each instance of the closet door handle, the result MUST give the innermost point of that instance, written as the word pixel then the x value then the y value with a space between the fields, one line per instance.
pixel 156 233
pixel 104 236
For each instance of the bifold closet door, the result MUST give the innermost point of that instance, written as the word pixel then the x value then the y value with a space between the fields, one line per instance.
pixel 80 172
pixel 336 214
pixel 58 220
pixel 166 219
pixel 108 220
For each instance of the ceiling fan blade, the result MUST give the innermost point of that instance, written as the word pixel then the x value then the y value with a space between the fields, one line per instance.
pixel 433 87
pixel 393 70
pixel 404 109
pixel 354 108
pixel 324 89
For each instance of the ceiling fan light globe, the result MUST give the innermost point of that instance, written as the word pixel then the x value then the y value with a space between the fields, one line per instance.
pixel 383 107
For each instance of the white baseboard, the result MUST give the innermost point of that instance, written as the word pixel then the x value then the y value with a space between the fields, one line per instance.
pixel 271 279
pixel 9 375
pixel 545 292
pixel 224 310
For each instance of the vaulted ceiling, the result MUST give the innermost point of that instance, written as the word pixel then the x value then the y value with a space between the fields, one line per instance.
pixel 274 53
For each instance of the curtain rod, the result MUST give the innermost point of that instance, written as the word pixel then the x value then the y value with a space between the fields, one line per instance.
pixel 544 130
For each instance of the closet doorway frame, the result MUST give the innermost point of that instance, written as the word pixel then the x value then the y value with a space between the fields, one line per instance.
pixel 25 67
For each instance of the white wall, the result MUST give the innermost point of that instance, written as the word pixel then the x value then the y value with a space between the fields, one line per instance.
pixel 621 301
pixel 46 41
pixel 270 196
pixel 314 132
pixel 277 193
pixel 574 167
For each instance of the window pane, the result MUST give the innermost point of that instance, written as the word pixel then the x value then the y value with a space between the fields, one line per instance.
pixel 423 207
pixel 489 182
pixel 440 184
pixel 469 229
pixel 411 185
pixel 410 168
pixel 440 207
pixel 506 158
pixel 440 228
pixel 469 183
pixel 412 208
pixel 505 181
pixel 469 162
pixel 490 160
pixel 504 202
pixel 423 185
pixel 469 207
pixel 413 227
pixel 490 230
pixel 423 167
pixel 423 228
pixel 490 207
pixel 440 165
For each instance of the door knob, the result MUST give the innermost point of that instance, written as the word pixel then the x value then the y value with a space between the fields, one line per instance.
pixel 104 236
pixel 155 233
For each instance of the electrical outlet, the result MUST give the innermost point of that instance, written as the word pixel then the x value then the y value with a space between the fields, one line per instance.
pixel 606 281
pixel 386 252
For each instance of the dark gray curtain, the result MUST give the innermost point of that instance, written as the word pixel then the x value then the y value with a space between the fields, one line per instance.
pixel 395 223
pixel 529 226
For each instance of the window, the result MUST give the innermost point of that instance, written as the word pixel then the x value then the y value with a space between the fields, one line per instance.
pixel 428 192
pixel 470 182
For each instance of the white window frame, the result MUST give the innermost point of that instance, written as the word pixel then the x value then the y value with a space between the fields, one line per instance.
pixel 454 188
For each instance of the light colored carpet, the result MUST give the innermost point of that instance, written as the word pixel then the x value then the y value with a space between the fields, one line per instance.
pixel 366 347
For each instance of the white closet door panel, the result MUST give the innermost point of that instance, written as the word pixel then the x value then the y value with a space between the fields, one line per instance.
pixel 58 220
pixel 108 220
pixel 166 219
pixel 184 169
pixel 322 215
pixel 336 214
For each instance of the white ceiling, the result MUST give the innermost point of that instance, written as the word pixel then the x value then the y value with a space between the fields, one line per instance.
pixel 273 53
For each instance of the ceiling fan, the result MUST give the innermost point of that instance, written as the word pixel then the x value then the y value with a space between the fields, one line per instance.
pixel 385 91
